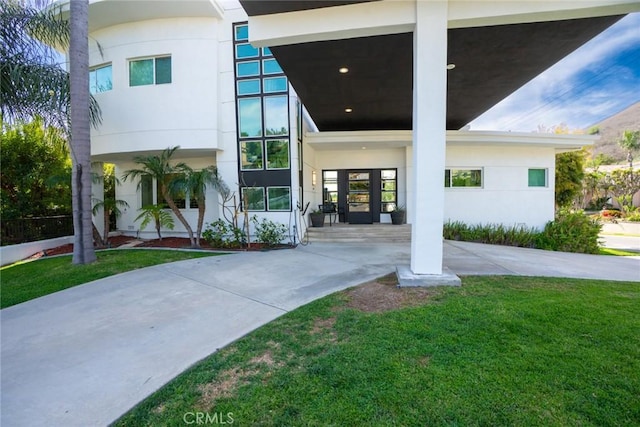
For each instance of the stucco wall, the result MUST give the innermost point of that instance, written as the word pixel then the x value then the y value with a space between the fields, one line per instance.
pixel 150 117
pixel 505 196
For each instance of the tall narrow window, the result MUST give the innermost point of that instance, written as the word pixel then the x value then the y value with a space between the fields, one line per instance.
pixel 146 190
pixel 388 190
pixel 100 79
pixel 250 117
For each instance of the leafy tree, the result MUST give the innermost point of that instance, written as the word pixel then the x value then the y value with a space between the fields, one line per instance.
pixel 622 184
pixel 159 216
pixel 195 183
pixel 569 175
pixel 630 141
pixel 36 171
pixel 160 168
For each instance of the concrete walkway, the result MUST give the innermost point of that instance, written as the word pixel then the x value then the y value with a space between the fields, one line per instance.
pixel 84 356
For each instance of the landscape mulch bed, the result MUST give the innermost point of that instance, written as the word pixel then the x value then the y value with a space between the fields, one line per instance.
pixel 166 242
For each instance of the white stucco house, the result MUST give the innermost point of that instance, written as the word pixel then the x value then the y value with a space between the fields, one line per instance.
pixel 363 103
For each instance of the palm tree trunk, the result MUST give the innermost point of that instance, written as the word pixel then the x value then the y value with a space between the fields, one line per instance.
pixel 106 213
pixel 201 208
pixel 176 211
pixel 83 251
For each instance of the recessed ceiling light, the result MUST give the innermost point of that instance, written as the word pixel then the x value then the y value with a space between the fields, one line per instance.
pixel 451 66
pixel 343 70
pixel 348 110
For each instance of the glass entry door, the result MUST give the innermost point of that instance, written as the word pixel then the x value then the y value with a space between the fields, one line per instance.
pixel 359 197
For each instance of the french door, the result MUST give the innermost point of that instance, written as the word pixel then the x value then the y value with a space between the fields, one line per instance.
pixel 359 197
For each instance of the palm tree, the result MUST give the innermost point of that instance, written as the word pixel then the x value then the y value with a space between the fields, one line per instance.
pixel 195 183
pixel 159 216
pixel 630 141
pixel 83 251
pixel 108 206
pixel 160 168
pixel 32 82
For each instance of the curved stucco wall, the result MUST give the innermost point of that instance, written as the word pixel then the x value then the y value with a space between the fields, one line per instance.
pixel 153 117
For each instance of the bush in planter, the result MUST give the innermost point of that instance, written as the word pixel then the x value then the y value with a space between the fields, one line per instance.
pixel 398 215
pixel 317 218
pixel 570 232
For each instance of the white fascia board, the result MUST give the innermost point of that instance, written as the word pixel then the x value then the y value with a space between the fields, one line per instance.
pixel 470 13
pixel 398 16
pixel 403 138
pixel 107 13
pixel 332 23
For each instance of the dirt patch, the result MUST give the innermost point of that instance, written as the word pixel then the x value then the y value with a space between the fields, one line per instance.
pixel 383 294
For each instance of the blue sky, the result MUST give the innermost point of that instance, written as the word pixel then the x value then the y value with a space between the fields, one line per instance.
pixel 598 80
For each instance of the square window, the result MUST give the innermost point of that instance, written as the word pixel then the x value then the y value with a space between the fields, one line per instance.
pixel 242 32
pixel 278 154
pixel 141 72
pixel 271 66
pixel 537 177
pixel 251 155
pixel 248 87
pixel 245 50
pixel 250 68
pixel 279 198
pixel 275 84
pixel 253 198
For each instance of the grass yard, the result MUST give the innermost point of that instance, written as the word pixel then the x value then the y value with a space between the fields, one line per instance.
pixel 617 252
pixel 496 351
pixel 25 281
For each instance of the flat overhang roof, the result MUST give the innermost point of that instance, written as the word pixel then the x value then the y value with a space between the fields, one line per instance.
pixel 355 140
pixel 491 62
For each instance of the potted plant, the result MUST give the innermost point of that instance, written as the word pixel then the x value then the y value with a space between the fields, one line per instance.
pixel 317 218
pixel 398 215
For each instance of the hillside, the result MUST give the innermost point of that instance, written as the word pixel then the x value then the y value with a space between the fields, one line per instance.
pixel 611 129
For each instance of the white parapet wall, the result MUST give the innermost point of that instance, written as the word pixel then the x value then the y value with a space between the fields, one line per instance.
pixel 12 253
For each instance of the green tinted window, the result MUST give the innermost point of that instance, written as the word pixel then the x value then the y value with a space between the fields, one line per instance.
pixel 141 72
pixel 163 70
pixel 537 177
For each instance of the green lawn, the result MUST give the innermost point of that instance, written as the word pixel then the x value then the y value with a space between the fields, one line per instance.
pixel 25 281
pixel 617 252
pixel 496 351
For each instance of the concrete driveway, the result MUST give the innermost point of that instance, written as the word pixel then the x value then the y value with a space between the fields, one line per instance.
pixel 84 356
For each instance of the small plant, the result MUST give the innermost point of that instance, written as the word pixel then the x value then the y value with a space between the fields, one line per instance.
pixel 157 214
pixel 633 216
pixel 221 234
pixel 571 231
pixel 269 232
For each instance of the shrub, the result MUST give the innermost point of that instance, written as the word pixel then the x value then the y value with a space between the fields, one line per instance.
pixel 495 234
pixel 633 217
pixel 269 232
pixel 221 234
pixel 570 232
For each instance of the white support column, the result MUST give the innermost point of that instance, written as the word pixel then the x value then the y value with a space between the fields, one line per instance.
pixel 429 135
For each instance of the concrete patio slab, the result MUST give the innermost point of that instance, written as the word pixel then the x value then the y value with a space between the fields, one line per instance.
pixel 86 355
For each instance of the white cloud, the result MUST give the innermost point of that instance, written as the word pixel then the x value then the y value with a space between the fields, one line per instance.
pixel 583 88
